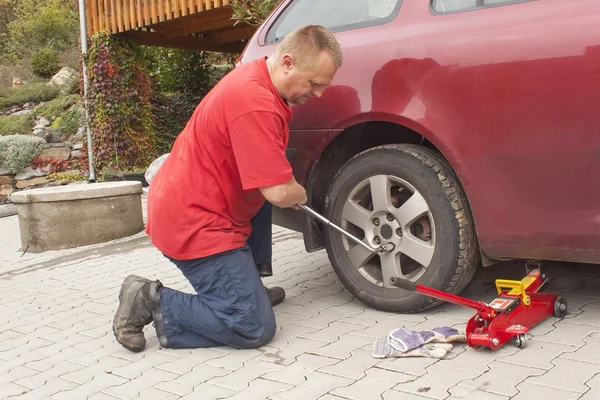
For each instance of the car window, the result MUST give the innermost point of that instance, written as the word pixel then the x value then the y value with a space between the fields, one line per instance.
pixel 445 6
pixel 337 15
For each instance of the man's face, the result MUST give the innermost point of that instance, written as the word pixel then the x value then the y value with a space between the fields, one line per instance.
pixel 302 83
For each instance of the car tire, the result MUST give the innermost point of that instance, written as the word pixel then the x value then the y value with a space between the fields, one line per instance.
pixel 434 235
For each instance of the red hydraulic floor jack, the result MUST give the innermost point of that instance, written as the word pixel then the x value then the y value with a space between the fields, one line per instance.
pixel 519 306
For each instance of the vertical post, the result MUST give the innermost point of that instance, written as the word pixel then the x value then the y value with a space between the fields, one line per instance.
pixel 84 49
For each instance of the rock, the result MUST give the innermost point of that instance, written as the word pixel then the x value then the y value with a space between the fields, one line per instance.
pixel 31 182
pixel 52 137
pixel 22 112
pixel 6 179
pixel 28 173
pixel 76 153
pixel 4 171
pixel 81 132
pixel 6 190
pixel 42 122
pixel 78 146
pixel 56 153
pixel 64 79
pixel 40 132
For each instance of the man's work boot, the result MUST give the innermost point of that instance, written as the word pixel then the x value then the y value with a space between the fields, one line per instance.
pixel 276 295
pixel 265 270
pixel 134 312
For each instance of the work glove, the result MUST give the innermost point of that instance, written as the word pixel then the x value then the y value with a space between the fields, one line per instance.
pixel 382 349
pixel 442 334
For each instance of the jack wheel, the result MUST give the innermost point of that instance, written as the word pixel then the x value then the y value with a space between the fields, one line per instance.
pixel 521 341
pixel 560 307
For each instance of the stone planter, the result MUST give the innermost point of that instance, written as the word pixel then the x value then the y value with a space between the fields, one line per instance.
pixel 78 215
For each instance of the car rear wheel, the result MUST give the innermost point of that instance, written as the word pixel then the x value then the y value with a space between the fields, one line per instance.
pixel 407 195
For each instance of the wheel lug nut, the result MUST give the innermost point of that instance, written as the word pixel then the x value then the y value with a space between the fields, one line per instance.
pixel 399 232
pixel 390 217
pixel 376 221
pixel 377 240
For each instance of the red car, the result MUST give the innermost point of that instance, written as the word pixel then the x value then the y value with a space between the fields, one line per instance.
pixel 462 131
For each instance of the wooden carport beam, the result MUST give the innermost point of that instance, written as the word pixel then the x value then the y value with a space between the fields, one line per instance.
pixel 188 42
pixel 206 21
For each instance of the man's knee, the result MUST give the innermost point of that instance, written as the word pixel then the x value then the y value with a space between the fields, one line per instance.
pixel 260 335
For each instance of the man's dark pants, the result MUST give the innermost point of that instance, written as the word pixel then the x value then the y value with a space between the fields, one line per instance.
pixel 231 307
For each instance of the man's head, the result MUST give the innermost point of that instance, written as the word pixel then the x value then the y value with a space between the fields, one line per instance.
pixel 304 63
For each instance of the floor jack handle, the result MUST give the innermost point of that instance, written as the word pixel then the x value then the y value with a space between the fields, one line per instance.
pixel 380 249
pixel 438 294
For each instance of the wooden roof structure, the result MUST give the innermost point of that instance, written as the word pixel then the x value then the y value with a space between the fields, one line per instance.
pixel 184 24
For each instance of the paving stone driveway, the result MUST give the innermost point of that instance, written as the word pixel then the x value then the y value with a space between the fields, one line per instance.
pixel 56 340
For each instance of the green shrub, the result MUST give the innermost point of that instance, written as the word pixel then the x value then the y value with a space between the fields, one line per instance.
pixel 35 93
pixel 17 124
pixel 17 151
pixel 45 63
pixel 70 121
pixel 56 107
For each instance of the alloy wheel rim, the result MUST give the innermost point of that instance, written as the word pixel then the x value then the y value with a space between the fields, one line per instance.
pixel 383 209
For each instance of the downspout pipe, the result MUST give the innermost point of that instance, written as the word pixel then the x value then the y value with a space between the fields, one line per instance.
pixel 84 50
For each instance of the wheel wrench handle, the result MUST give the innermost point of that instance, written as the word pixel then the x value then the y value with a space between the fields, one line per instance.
pixel 380 249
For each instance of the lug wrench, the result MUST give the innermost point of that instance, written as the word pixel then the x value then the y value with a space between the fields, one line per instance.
pixel 381 249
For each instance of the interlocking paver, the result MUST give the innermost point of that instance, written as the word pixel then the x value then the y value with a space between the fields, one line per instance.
pixel 502 378
pixel 260 389
pixel 529 391
pixel 436 381
pixel 342 348
pixel 382 327
pixel 235 360
pixel 415 366
pixel 287 354
pixel 132 388
pixel 333 332
pixel 567 334
pixel 477 360
pixel 58 369
pixel 206 391
pixel 589 316
pixel 295 373
pixel 12 390
pixel 322 319
pixel 136 368
pixel 49 362
pixel 46 391
pixel 353 367
pixel 16 374
pixel 187 361
pixel 594 391
pixel 185 383
pixel 589 352
pixel 102 366
pixel 537 354
pixel 98 383
pixel 371 386
pixel 568 375
pixel 101 396
pixel 315 385
pixel 155 394
pixel 286 333
pixel 238 380
pixel 397 395
pixel 469 393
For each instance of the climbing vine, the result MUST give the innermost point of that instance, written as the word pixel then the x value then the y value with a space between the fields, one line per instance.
pixel 119 104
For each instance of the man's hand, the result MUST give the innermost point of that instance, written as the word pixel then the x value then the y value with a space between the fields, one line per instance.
pixel 285 195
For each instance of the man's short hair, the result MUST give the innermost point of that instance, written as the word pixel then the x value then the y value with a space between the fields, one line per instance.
pixel 308 41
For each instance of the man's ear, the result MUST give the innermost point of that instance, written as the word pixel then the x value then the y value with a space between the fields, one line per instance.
pixel 287 63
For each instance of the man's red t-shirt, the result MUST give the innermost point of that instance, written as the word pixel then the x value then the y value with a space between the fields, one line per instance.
pixel 204 195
